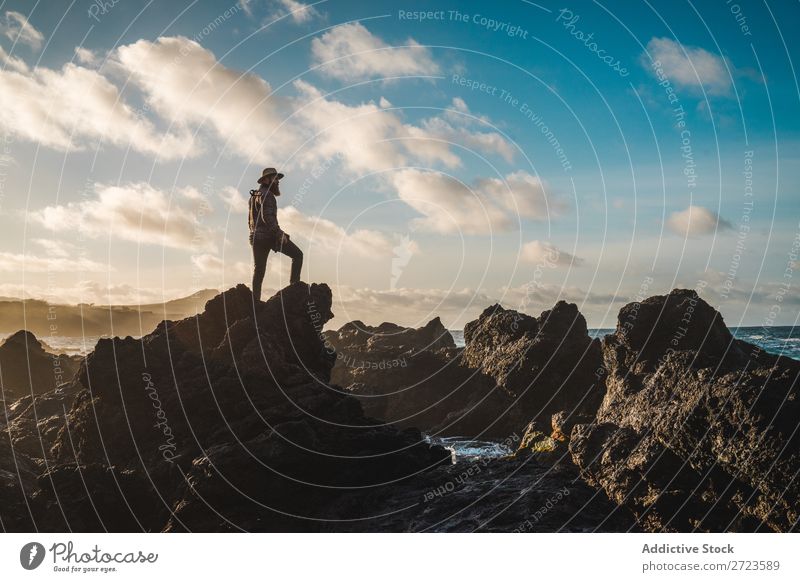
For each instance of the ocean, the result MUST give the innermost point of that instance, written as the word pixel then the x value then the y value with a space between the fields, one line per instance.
pixel 778 340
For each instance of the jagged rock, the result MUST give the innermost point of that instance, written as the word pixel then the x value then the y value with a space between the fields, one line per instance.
pixel 544 366
pixel 412 378
pixel 698 430
pixel 18 473
pixel 221 421
pixel 514 369
pixel 358 337
pixel 26 368
pixel 34 422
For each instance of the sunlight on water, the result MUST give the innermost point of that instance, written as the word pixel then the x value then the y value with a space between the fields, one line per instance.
pixel 464 449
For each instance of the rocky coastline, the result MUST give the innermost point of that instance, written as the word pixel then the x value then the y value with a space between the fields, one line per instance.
pixel 252 418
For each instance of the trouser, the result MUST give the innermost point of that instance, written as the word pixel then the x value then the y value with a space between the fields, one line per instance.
pixel 261 249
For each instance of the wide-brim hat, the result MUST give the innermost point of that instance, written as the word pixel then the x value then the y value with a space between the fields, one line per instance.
pixel 268 174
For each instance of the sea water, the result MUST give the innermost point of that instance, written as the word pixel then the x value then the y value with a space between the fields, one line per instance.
pixel 463 449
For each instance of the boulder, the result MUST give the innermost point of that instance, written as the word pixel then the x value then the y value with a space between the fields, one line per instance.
pixel 697 430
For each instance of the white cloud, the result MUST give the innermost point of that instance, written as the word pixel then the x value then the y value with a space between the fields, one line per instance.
pixel 207 263
pixel 327 235
pixel 365 135
pixel 13 63
pixel 522 194
pixel 56 248
pixel 185 84
pixel 350 52
pixel 448 206
pixel 67 108
pixel 489 205
pixel 437 128
pixel 195 195
pixel 135 212
pixel 371 138
pixel 299 11
pixel 85 56
pixel 546 254
pixel 234 200
pixel 19 263
pixel 18 29
pixel 696 221
pixel 690 67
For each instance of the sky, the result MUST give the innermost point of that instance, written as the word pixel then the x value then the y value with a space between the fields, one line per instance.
pixel 439 156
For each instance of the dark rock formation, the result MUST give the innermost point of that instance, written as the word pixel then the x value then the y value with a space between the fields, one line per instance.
pixel 543 366
pixel 515 369
pixel 228 421
pixel 223 421
pixel 698 430
pixel 26 368
pixel 501 495
pixel 412 377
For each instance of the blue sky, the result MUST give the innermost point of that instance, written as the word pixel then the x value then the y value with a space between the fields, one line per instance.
pixel 517 152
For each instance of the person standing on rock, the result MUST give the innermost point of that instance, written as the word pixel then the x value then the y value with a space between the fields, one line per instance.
pixel 265 234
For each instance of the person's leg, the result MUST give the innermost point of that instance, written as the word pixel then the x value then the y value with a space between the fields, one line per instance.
pixel 260 254
pixel 292 251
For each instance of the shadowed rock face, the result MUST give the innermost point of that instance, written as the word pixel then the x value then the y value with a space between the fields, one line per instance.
pixel 544 366
pixel 222 421
pixel 26 368
pixel 412 377
pixel 697 430
pixel 514 369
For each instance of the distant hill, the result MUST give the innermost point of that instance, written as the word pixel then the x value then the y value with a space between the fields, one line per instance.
pixel 45 319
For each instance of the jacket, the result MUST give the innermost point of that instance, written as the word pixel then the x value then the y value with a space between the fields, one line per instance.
pixel 263 217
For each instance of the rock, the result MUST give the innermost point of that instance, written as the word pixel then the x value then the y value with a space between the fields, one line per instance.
pixel 516 495
pixel 26 368
pixel 514 369
pixel 357 337
pixel 413 378
pixel 222 421
pixel 544 366
pixel 34 422
pixel 18 481
pixel 697 430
